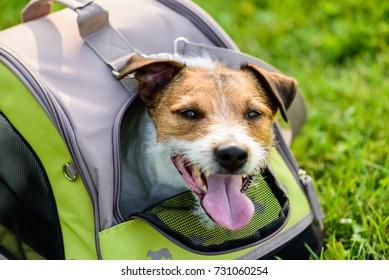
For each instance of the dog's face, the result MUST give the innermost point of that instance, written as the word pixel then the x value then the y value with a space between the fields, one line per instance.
pixel 216 123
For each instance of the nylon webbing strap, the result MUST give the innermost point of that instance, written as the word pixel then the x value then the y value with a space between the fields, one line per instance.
pixel 107 42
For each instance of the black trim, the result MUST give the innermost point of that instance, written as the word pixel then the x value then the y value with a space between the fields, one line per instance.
pixel 296 249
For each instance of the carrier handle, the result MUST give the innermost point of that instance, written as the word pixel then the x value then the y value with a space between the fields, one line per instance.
pixel 40 8
pixel 91 17
pixel 94 27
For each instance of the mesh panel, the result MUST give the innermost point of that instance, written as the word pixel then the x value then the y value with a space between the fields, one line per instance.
pixel 29 225
pixel 175 217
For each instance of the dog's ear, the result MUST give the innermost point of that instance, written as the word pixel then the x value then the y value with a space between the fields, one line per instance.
pixel 152 75
pixel 282 89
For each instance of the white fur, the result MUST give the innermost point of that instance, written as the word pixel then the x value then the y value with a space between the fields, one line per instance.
pixel 149 174
pixel 203 60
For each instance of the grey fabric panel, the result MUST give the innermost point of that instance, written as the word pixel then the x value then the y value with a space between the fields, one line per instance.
pixel 83 85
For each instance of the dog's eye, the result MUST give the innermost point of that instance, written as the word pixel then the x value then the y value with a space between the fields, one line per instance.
pixel 252 115
pixel 190 114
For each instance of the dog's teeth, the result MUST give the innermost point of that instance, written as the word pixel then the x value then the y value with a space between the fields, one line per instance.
pixel 196 171
pixel 204 188
pixel 207 173
pixel 198 181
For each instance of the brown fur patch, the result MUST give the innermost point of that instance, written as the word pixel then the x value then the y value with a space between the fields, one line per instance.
pixel 219 96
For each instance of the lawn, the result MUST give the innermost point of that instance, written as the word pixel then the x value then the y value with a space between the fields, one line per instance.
pixel 339 53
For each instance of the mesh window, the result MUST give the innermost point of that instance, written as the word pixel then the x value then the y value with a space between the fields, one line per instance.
pixel 29 224
pixel 175 218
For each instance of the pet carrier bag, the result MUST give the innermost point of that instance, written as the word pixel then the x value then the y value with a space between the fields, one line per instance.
pixel 61 114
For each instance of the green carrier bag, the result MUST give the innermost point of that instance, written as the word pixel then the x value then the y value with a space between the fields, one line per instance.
pixel 62 174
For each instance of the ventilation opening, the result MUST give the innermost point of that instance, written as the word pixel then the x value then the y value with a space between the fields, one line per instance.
pixel 176 219
pixel 29 224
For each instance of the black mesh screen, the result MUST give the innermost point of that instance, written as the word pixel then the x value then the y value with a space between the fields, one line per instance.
pixel 176 219
pixel 29 224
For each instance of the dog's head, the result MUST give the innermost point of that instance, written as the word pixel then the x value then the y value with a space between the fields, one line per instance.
pixel 216 123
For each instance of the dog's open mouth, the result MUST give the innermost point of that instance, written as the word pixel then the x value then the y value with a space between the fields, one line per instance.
pixel 221 195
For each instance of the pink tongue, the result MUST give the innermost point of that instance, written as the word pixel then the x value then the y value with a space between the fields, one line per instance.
pixel 224 202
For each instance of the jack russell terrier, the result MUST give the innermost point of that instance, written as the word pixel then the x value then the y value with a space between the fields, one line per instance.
pixel 204 127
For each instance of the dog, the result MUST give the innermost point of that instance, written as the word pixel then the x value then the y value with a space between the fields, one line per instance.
pixel 203 127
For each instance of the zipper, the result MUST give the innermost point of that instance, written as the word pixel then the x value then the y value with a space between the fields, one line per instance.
pixel 58 117
pixel 305 181
pixel 286 154
pixel 117 172
pixel 117 215
pixel 25 76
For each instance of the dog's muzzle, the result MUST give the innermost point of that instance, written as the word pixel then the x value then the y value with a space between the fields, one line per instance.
pixel 221 195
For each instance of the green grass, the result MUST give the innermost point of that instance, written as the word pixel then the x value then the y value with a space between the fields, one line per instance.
pixel 339 53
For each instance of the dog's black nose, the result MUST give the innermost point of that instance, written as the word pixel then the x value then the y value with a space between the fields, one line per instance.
pixel 232 157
